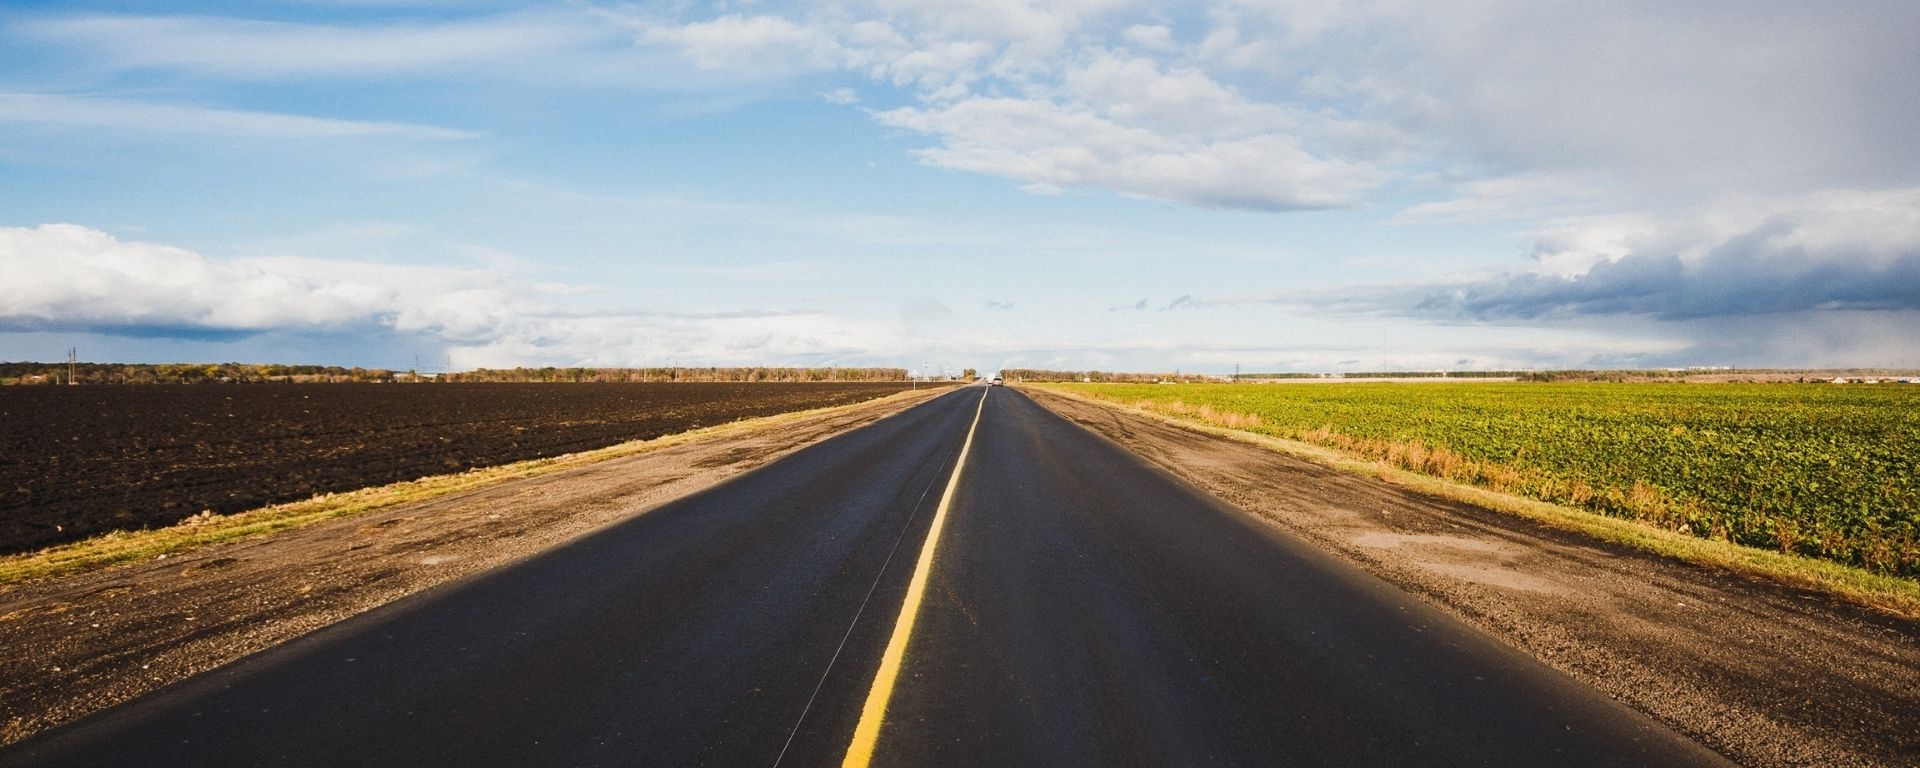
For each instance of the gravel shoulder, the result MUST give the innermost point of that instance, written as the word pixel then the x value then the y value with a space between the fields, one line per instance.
pixel 76 644
pixel 1765 674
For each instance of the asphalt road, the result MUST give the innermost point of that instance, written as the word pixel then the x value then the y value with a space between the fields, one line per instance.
pixel 1081 608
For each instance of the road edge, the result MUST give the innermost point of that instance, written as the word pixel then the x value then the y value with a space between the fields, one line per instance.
pixel 256 592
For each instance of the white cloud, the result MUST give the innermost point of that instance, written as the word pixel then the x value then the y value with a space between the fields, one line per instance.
pixel 1572 245
pixel 1698 97
pixel 1691 99
pixel 1007 88
pixel 1160 128
pixel 1055 146
pixel 1517 97
pixel 1224 46
pixel 750 42
pixel 942 71
pixel 1153 37
pixel 146 116
pixel 1025 26
pixel 242 49
pixel 1517 197
pixel 65 277
pixel 1181 102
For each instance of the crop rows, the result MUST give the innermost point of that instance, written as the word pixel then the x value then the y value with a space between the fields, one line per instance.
pixel 1821 470
pixel 79 461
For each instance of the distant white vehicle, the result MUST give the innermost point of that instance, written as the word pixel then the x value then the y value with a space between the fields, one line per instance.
pixel 996 382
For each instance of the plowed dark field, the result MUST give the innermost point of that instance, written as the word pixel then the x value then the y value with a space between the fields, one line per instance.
pixel 78 461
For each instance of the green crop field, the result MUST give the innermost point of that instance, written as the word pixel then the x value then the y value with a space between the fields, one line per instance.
pixel 1822 470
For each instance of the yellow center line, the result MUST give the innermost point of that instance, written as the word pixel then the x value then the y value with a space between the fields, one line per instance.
pixel 867 734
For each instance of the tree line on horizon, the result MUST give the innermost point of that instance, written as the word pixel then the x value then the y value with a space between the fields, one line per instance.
pixel 32 373
pixel 1612 375
pixel 712 374
pixel 1040 374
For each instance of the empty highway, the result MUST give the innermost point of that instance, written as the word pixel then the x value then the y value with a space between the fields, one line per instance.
pixel 974 581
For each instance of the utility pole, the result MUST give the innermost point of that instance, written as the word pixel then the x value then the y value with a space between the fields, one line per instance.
pixel 1236 371
pixel 73 360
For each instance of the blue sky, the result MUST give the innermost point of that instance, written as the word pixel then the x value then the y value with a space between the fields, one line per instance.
pixel 1312 186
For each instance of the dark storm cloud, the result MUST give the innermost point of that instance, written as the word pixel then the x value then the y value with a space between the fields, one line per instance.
pixel 1747 275
pixel 181 332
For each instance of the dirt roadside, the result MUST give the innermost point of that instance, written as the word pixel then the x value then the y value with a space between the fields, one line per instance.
pixel 77 644
pixel 1767 675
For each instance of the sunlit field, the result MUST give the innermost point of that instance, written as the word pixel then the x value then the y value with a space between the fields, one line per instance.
pixel 1821 470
